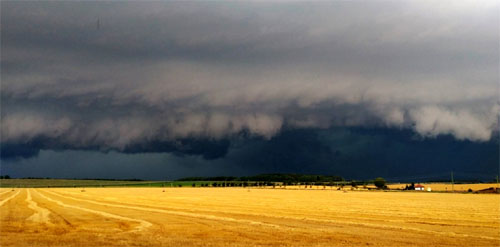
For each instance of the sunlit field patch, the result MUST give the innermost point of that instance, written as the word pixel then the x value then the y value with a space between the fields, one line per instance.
pixel 245 217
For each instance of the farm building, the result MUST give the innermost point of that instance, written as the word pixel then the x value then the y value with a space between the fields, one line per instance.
pixel 419 187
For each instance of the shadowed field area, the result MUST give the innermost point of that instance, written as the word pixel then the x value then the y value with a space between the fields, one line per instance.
pixel 245 217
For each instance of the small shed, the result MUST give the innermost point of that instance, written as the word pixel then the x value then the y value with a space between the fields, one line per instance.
pixel 419 187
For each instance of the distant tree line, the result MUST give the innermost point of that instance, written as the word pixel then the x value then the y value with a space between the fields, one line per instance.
pixel 218 178
pixel 293 178
pixel 237 184
pixel 5 177
pixel 276 177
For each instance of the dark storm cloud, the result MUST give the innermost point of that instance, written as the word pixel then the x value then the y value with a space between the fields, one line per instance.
pixel 354 153
pixel 364 153
pixel 206 148
pixel 186 77
pixel 18 151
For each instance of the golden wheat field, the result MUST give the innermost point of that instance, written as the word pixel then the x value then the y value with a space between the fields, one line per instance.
pixel 245 217
pixel 448 187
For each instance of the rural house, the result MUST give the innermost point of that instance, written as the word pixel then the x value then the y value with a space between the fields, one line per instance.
pixel 419 187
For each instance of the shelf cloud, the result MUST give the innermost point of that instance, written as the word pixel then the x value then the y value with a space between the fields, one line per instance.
pixel 183 76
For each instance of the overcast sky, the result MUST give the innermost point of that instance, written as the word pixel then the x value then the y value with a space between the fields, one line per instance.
pixel 206 87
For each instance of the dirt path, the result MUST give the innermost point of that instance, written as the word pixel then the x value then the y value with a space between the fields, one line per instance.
pixel 142 223
pixel 188 214
pixel 41 215
pixel 8 198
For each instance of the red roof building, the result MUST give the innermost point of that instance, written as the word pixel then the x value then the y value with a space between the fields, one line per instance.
pixel 419 187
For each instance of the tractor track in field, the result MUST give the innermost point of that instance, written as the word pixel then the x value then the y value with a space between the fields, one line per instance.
pixel 41 215
pixel 142 223
pixel 5 192
pixel 9 198
pixel 179 213
pixel 56 215
pixel 336 221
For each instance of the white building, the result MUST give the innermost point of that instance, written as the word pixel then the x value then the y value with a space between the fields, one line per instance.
pixel 419 187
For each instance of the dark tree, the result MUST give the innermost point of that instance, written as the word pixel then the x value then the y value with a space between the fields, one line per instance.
pixel 412 186
pixel 379 183
pixel 354 184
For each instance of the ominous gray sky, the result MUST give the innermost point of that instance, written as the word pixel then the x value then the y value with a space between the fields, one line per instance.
pixel 160 76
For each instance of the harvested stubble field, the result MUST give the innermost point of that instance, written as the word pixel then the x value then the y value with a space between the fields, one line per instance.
pixel 448 187
pixel 245 217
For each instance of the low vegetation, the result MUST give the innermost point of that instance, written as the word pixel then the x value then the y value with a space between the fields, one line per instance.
pixel 44 183
pixel 282 181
